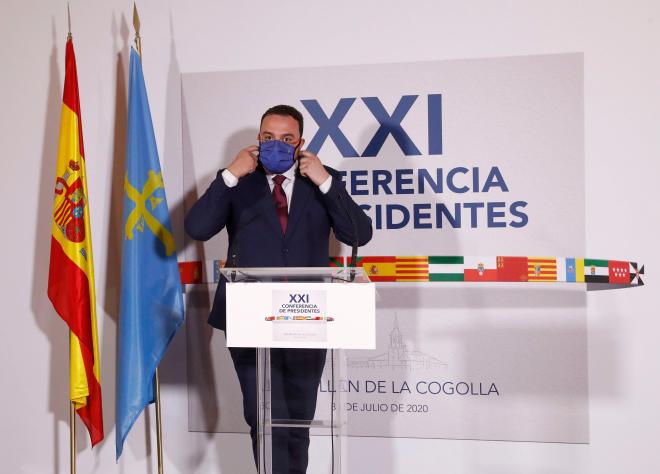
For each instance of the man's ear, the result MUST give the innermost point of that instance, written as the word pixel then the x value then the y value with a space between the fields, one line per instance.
pixel 299 147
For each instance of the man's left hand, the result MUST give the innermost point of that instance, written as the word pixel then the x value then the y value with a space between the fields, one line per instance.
pixel 311 166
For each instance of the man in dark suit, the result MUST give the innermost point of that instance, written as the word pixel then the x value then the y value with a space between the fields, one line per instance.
pixel 278 203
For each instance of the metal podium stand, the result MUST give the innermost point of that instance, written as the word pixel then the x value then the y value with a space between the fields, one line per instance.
pixel 296 308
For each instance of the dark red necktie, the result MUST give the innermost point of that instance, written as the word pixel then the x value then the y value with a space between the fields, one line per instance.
pixel 279 198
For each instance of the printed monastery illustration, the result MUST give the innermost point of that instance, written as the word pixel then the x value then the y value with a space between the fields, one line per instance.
pixel 397 356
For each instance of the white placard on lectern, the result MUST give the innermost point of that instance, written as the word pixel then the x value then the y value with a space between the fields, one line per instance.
pixel 313 308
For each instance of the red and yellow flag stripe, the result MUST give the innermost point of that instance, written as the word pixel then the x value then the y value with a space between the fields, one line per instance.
pixel 412 268
pixel 71 272
pixel 541 269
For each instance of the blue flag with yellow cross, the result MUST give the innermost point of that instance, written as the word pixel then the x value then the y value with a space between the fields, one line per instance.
pixel 151 309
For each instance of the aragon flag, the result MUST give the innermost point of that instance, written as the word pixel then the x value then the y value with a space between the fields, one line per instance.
pixel 71 272
pixel 151 309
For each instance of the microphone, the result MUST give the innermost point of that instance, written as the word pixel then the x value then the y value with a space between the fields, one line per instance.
pixel 356 238
pixel 232 252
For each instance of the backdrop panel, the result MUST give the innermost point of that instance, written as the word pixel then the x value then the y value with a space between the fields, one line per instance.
pixel 465 157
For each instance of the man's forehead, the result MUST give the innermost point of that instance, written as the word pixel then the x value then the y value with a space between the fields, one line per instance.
pixel 280 124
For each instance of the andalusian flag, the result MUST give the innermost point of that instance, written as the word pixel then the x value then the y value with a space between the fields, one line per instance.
pixel 71 273
pixel 446 268
pixel 151 292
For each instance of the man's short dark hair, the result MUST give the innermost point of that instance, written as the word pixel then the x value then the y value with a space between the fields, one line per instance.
pixel 287 111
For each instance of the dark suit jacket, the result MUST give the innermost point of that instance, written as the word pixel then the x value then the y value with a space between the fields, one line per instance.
pixel 248 212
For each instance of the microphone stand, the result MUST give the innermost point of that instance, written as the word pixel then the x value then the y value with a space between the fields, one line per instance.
pixel 356 239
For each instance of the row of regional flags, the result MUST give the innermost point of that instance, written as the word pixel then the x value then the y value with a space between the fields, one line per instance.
pixel 151 309
pixel 462 268
pixel 500 268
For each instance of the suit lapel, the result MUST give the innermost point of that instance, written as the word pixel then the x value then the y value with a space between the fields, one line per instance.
pixel 265 202
pixel 302 188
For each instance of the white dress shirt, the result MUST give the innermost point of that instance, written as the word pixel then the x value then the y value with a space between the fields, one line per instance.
pixel 290 175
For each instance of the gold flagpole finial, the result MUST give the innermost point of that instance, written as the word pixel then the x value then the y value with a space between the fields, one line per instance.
pixel 68 16
pixel 136 25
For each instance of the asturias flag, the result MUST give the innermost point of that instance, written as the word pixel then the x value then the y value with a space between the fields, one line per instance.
pixel 71 273
pixel 151 292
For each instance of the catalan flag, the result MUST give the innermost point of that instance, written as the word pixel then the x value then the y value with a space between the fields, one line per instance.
pixel 541 269
pixel 71 272
pixel 412 268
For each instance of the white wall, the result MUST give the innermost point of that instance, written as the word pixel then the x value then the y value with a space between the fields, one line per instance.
pixel 621 45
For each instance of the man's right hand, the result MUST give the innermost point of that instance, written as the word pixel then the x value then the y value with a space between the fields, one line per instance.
pixel 245 162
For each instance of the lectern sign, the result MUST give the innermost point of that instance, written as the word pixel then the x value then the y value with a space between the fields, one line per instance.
pixel 301 310
pixel 299 316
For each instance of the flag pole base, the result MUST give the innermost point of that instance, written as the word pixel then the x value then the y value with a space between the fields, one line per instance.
pixel 159 424
pixel 72 436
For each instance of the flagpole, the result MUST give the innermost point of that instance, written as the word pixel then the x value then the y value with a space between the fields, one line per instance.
pixel 72 436
pixel 72 406
pixel 136 25
pixel 68 17
pixel 159 423
pixel 72 433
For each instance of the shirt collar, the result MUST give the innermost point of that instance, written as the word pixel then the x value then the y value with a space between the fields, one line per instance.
pixel 289 174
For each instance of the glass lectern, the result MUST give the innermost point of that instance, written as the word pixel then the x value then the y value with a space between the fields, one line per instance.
pixel 283 313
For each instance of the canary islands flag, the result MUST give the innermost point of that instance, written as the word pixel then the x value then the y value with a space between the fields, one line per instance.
pixel 71 272
pixel 151 292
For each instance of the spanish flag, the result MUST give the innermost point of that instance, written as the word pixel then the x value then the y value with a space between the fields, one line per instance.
pixel 71 273
pixel 381 268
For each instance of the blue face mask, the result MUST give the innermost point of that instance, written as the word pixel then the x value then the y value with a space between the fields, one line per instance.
pixel 276 156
